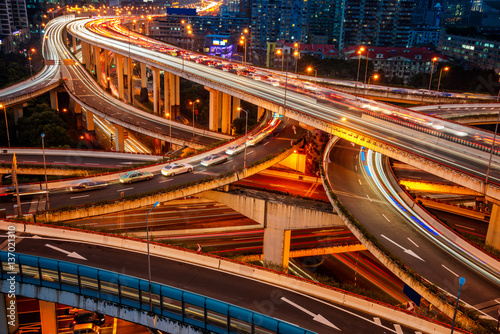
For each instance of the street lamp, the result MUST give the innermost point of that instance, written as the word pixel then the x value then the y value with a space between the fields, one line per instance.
pixel 432 70
pixel 149 261
pixel 243 41
pixel 446 69
pixel 191 103
pixel 296 53
pixel 45 170
pixel 279 52
pixel 30 53
pixel 366 67
pixel 6 123
pixel 309 69
pixel 375 77
pixel 461 281
pixel 246 137
pixel 360 51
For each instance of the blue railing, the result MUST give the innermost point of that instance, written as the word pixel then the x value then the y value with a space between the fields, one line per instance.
pixel 173 303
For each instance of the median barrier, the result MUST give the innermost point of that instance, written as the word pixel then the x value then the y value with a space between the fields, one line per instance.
pixel 285 281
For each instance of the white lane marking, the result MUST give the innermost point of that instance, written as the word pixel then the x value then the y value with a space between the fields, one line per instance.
pixel 168 180
pixel 226 162
pixel 198 172
pixel 74 197
pixel 469 228
pixel 249 152
pixel 356 156
pixel 386 218
pixel 360 182
pixel 413 242
pixel 125 189
pixel 377 321
pixel 407 251
pixel 316 317
pixel 69 254
pixel 398 328
pixel 126 163
pixel 445 267
pixel 369 198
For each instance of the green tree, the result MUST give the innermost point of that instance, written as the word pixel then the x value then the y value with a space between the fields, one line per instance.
pixel 40 118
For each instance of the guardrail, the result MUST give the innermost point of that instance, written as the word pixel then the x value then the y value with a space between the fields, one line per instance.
pixel 189 308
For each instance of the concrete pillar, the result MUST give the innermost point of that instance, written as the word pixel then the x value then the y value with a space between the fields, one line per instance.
pixel 89 120
pixel 86 60
pixel 48 317
pixel 260 112
pixel 119 139
pixel 177 90
pixel 130 78
pixel 144 79
pixel 97 63
pixel 277 245
pixel 214 109
pixel 8 318
pixel 174 96
pixel 493 234
pixel 54 103
pixel 226 113
pixel 74 44
pixel 119 74
pixel 156 90
pixel 18 112
pixel 106 68
pixel 166 96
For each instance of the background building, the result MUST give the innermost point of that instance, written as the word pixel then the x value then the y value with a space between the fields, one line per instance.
pixel 14 25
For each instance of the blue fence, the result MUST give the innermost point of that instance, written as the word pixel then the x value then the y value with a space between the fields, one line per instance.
pixel 184 306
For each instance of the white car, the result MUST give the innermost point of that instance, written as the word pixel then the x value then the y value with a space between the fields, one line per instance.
pixel 254 140
pixel 214 159
pixel 176 168
pixel 235 149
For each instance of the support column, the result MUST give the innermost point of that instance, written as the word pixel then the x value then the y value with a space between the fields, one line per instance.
pixel 260 112
pixel 174 95
pixel 74 44
pixel 214 109
pixel 54 103
pixel 156 90
pixel 119 74
pixel 89 120
pixel 97 63
pixel 106 68
pixel 48 317
pixel 277 245
pixel 78 112
pixel 18 112
pixel 493 234
pixel 226 113
pixel 236 105
pixel 144 79
pixel 167 103
pixel 130 78
pixel 119 138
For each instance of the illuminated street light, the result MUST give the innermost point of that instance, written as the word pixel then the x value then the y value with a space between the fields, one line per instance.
pixel 192 108
pixel 432 70
pixel 246 137
pixel 6 123
pixel 375 77
pixel 279 52
pixel 309 69
pixel 30 53
pixel 461 282
pixel 446 69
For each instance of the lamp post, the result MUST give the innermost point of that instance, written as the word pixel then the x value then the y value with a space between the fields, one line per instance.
pixel 6 123
pixel 246 137
pixel 446 69
pixel 360 51
pixel 45 171
pixel 279 52
pixel 375 77
pixel 432 70
pixel 243 41
pixel 30 53
pixel 149 261
pixel 461 281
pixel 296 54
pixel 309 69
pixel 192 108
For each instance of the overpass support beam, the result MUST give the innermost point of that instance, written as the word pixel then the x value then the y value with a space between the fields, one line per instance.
pixel 214 109
pixel 106 68
pixel 85 54
pixel 156 90
pixel 277 245
pixel 89 120
pixel 97 63
pixel 226 113
pixel 119 74
pixel 48 317
pixel 236 105
pixel 144 78
pixel 18 112
pixel 73 38
pixel 54 103
pixel 130 80
pixel 172 94
pixel 119 139
pixel 493 234
pixel 260 111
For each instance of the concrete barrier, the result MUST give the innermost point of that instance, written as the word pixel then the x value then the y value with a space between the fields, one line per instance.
pixel 268 276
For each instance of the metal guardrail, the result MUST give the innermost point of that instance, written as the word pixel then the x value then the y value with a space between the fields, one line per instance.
pixel 189 308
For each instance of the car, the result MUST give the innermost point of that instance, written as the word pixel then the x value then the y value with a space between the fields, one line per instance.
pixel 86 185
pixel 75 311
pixel 214 159
pixel 235 149
pixel 254 140
pixel 134 176
pixel 95 318
pixel 86 329
pixel 176 168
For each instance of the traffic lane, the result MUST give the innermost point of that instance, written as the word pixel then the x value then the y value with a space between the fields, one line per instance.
pixel 293 186
pixel 61 198
pixel 237 290
pixel 462 224
pixel 382 221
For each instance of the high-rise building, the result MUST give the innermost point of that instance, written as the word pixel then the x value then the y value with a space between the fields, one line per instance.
pixel 324 22
pixel 13 22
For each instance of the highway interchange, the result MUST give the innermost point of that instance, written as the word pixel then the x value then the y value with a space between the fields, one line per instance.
pixel 478 292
